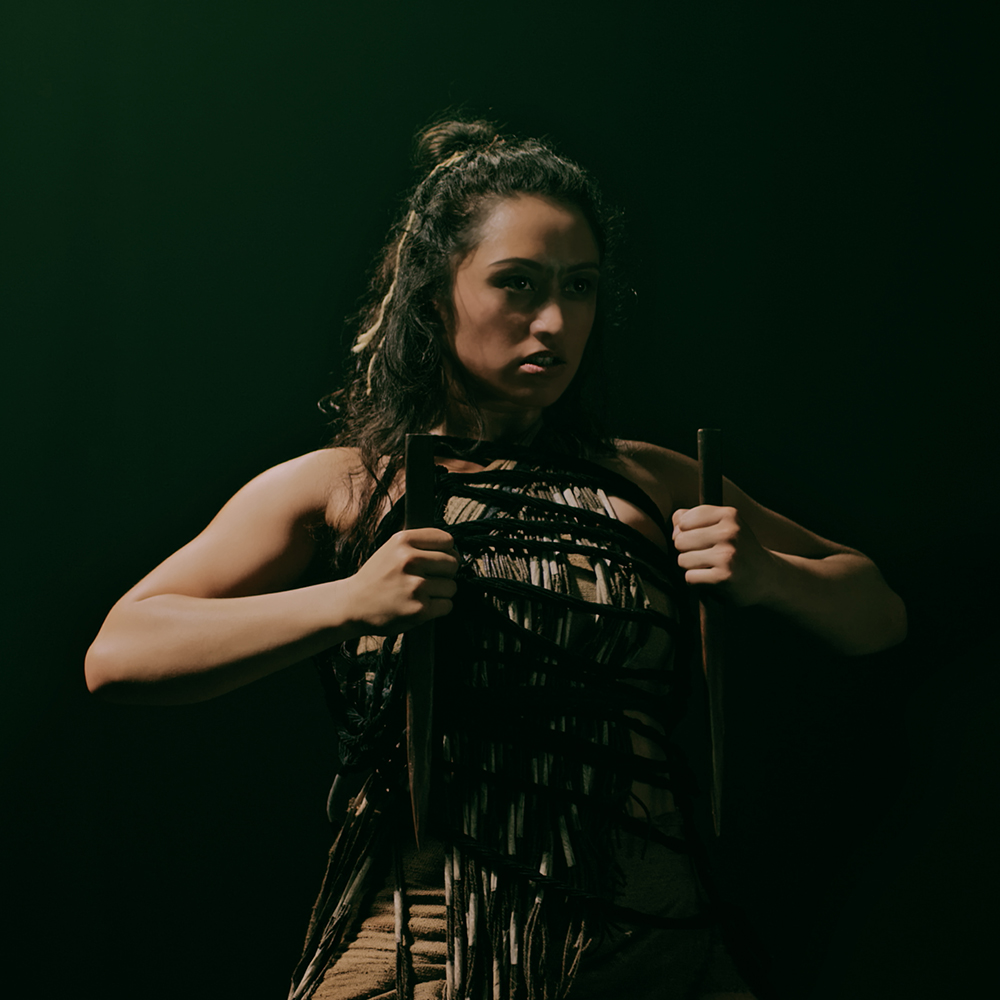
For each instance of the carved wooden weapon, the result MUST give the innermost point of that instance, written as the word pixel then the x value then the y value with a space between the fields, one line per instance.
pixel 710 616
pixel 419 641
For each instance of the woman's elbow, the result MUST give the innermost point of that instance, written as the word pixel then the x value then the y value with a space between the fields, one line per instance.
pixel 106 669
pixel 896 625
pixel 117 671
pixel 887 629
pixel 99 668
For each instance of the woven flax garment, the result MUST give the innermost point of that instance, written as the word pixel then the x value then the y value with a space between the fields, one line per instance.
pixel 540 697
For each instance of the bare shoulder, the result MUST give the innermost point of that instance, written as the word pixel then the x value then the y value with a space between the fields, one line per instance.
pixel 262 539
pixel 668 477
pixel 315 486
pixel 671 478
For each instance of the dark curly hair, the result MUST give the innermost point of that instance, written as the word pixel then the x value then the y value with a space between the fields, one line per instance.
pixel 401 382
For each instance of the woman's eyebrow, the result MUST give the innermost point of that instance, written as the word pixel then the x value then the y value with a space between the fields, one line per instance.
pixel 527 262
pixel 524 261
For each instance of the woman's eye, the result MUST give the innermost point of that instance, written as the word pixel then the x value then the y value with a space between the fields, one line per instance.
pixel 517 283
pixel 581 286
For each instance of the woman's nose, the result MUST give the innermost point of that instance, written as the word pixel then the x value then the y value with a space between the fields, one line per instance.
pixel 549 318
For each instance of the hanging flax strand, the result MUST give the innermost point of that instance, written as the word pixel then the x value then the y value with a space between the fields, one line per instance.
pixel 365 338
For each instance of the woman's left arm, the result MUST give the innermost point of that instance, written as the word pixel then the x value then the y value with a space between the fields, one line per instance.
pixel 758 557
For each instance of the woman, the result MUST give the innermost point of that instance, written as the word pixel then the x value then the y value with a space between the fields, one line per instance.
pixel 556 863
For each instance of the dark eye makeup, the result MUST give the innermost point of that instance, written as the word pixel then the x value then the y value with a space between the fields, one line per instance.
pixel 516 282
pixel 581 284
pixel 575 285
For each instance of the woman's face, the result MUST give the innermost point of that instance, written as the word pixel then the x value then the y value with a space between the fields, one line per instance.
pixel 523 304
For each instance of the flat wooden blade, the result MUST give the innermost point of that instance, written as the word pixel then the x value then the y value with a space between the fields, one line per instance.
pixel 710 616
pixel 418 643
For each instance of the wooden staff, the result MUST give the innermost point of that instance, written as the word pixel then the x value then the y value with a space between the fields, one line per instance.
pixel 709 613
pixel 419 642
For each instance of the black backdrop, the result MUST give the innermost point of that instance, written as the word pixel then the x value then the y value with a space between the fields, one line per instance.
pixel 193 192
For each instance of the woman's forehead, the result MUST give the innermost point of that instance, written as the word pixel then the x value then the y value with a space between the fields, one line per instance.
pixel 534 227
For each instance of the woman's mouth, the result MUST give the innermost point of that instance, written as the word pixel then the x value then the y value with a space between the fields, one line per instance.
pixel 541 361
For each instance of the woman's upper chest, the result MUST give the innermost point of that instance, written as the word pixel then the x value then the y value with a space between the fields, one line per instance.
pixel 630 494
pixel 645 514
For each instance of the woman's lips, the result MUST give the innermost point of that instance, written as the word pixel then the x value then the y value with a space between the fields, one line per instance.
pixel 540 362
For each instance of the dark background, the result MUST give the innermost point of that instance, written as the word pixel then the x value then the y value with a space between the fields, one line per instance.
pixel 192 194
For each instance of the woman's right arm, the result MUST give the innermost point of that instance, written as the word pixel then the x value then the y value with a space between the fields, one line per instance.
pixel 219 613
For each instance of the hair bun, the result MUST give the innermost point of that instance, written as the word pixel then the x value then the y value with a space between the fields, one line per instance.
pixel 446 138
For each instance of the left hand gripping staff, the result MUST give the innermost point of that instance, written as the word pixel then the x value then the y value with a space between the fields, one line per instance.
pixel 419 642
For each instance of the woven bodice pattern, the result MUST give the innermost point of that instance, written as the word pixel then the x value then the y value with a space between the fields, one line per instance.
pixel 544 683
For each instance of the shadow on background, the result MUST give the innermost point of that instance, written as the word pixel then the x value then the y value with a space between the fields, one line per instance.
pixel 195 192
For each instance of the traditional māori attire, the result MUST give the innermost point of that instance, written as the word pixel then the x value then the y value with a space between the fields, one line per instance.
pixel 557 863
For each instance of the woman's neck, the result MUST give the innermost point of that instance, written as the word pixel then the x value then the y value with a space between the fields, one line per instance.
pixel 490 424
